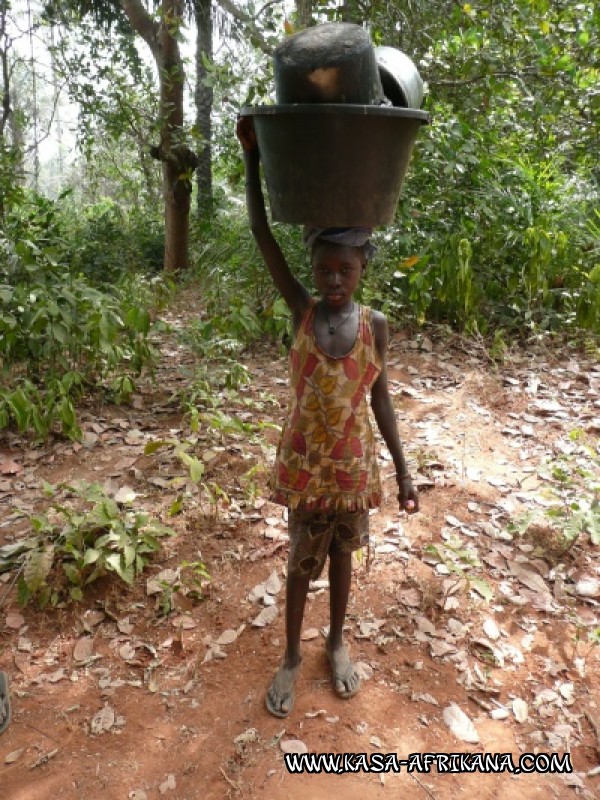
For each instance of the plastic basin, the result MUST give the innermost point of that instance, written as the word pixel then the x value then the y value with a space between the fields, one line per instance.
pixel 333 165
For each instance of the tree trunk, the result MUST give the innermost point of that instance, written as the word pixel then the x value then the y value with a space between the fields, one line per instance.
pixel 178 160
pixel 203 97
pixel 304 10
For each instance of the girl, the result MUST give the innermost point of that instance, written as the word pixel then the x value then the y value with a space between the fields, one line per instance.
pixel 326 469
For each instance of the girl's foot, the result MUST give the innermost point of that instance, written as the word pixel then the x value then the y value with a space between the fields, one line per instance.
pixel 4 702
pixel 344 675
pixel 280 695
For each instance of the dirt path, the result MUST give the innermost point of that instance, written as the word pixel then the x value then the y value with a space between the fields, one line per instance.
pixel 182 696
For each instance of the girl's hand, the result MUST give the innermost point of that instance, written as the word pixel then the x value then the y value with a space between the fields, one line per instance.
pixel 246 134
pixel 408 499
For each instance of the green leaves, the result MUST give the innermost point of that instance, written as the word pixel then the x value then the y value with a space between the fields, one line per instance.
pixel 58 332
pixel 87 535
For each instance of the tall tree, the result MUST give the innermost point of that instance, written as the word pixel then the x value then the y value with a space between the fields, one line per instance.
pixel 203 97
pixel 178 160
pixel 161 33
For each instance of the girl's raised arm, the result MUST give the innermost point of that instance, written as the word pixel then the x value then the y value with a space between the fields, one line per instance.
pixel 293 292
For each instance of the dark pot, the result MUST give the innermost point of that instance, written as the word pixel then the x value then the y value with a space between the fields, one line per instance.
pixel 330 63
pixel 330 165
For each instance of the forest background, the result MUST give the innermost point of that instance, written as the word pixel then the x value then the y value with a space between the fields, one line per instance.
pixel 497 234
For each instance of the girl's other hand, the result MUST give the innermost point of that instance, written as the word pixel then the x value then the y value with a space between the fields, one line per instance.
pixel 408 498
pixel 246 134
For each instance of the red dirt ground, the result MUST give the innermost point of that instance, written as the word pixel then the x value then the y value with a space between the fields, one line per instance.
pixel 477 437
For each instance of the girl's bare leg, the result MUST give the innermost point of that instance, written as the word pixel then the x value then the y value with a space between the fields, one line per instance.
pixel 346 679
pixel 280 696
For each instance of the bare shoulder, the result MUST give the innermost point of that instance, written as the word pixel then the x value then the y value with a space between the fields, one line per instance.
pixel 380 331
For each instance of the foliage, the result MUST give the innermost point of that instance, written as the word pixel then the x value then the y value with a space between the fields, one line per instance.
pixel 106 241
pixel 571 489
pixel 460 560
pixel 189 581
pixel 84 535
pixel 195 468
pixel 59 334
pixel 241 301
pixel 504 167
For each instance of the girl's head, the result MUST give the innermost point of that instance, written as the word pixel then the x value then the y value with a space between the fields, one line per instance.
pixel 337 270
pixel 339 257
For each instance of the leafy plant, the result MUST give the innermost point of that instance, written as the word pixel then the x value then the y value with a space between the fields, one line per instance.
pixel 59 335
pixel 189 582
pixel 460 560
pixel 572 489
pixel 84 535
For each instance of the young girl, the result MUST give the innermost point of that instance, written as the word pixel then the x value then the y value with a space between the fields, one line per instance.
pixel 326 469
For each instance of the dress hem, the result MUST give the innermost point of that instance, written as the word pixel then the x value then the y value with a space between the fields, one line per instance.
pixel 329 503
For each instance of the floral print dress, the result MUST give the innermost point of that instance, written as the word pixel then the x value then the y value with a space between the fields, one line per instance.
pixel 326 458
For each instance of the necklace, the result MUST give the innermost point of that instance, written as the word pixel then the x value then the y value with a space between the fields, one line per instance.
pixel 335 328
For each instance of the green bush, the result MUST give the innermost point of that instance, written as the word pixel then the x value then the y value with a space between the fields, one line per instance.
pixel 59 334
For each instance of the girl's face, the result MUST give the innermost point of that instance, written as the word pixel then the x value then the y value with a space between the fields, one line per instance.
pixel 337 270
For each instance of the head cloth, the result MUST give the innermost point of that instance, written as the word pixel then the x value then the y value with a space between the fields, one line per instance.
pixel 353 237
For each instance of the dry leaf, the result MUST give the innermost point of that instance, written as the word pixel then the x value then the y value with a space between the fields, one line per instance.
pixel 137 794
pixel 410 598
pixel 587 587
pixel 520 709
pixel 14 756
pixel 184 621
pixel 491 629
pixel 92 617
pixel 545 696
pixel 439 648
pixel 83 649
pixel 168 784
pixel 309 634
pixel 266 617
pixel 528 578
pixel 273 584
pixel 125 495
pixel 103 720
pixel 257 593
pixel 14 620
pixel 127 651
pixel 293 746
pixel 460 724
pixel 125 626
pixel 10 468
pixel 567 691
pixel 247 737
pixel 364 670
pixel 423 698
pixel 227 637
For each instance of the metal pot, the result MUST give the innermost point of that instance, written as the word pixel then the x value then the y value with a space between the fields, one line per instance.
pixel 329 63
pixel 402 84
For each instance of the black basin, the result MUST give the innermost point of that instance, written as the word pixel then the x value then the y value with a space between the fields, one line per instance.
pixel 335 165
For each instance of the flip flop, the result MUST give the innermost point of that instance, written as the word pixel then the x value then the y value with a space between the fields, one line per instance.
pixel 345 694
pixel 277 712
pixel 4 702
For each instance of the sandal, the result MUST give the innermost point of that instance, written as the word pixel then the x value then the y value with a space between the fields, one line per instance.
pixel 4 702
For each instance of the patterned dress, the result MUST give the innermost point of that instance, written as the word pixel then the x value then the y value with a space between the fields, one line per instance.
pixel 326 459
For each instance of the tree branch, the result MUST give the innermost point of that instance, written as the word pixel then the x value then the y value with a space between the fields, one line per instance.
pixel 248 23
pixel 141 21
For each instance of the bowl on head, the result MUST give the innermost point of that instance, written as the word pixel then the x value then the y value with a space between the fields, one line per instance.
pixel 400 79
